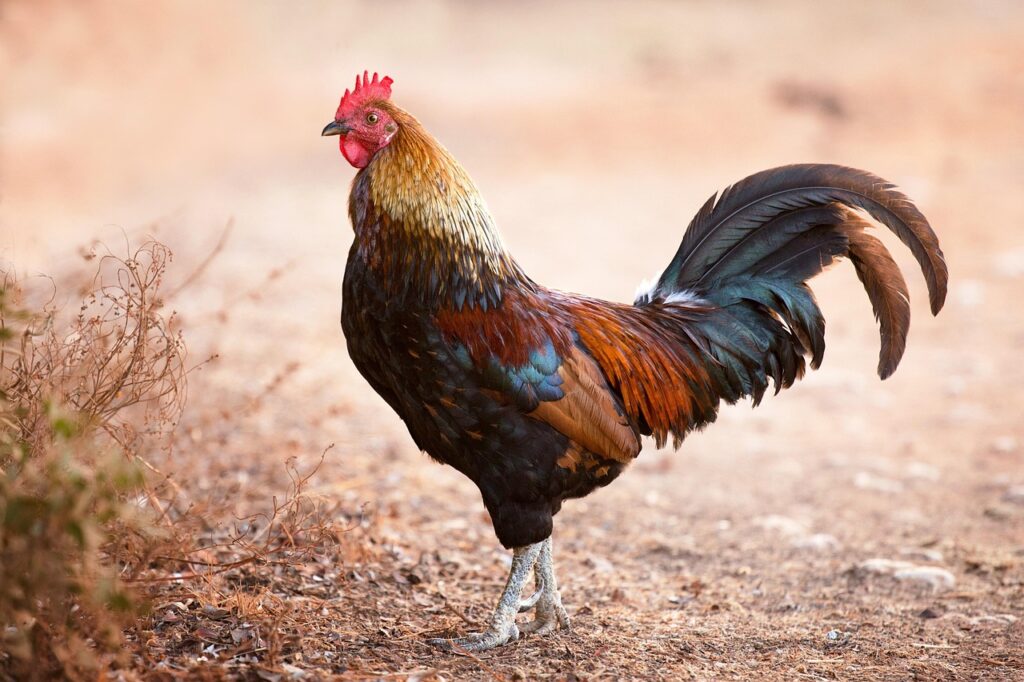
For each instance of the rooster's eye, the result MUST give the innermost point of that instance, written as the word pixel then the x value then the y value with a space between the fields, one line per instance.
pixel 371 118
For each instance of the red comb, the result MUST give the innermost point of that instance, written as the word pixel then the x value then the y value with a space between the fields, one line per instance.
pixel 365 91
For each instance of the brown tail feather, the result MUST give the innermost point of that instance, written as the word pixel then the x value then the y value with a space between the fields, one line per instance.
pixel 886 288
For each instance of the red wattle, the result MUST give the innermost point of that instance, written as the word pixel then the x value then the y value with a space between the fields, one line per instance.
pixel 354 152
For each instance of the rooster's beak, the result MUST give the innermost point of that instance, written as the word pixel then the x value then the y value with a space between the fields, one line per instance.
pixel 336 128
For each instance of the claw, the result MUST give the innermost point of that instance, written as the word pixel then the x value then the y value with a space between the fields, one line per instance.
pixel 540 627
pixel 479 641
pixel 531 601
pixel 551 616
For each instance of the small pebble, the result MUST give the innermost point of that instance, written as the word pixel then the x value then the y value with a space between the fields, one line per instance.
pixel 818 542
pixel 782 524
pixel 879 565
pixel 868 481
pixel 1015 494
pixel 836 637
pixel 599 564
pixel 922 554
pixel 922 471
pixel 933 576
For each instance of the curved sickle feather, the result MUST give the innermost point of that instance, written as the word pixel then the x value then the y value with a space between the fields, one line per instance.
pixel 886 288
pixel 751 203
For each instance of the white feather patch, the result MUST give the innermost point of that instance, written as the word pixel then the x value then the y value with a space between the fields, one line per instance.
pixel 685 297
pixel 645 292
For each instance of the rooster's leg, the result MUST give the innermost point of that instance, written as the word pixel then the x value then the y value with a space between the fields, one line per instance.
pixel 531 601
pixel 551 614
pixel 502 628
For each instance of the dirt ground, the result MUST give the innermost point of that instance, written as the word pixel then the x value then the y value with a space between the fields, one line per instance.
pixel 769 546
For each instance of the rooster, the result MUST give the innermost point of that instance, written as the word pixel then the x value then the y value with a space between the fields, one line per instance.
pixel 540 396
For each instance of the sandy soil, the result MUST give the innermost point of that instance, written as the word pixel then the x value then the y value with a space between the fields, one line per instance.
pixel 595 131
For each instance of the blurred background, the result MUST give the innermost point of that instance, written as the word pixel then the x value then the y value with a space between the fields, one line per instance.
pixel 595 130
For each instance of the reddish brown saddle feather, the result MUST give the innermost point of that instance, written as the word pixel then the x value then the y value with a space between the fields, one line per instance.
pixel 587 414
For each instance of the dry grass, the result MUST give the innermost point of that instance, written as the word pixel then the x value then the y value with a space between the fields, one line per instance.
pixel 85 397
pixel 92 403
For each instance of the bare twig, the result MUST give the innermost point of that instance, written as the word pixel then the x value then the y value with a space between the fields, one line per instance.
pixel 205 264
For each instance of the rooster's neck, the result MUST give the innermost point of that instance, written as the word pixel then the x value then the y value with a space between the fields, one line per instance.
pixel 423 228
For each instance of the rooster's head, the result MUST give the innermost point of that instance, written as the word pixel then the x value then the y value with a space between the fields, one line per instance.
pixel 363 120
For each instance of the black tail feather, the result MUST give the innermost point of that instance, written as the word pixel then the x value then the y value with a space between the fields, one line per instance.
pixel 752 252
pixel 755 202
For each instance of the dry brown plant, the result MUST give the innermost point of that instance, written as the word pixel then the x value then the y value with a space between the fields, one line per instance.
pixel 84 397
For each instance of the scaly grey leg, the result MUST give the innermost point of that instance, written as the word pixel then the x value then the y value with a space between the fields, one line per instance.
pixel 502 628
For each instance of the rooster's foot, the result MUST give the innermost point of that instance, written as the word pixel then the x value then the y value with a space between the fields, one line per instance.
pixel 480 641
pixel 502 628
